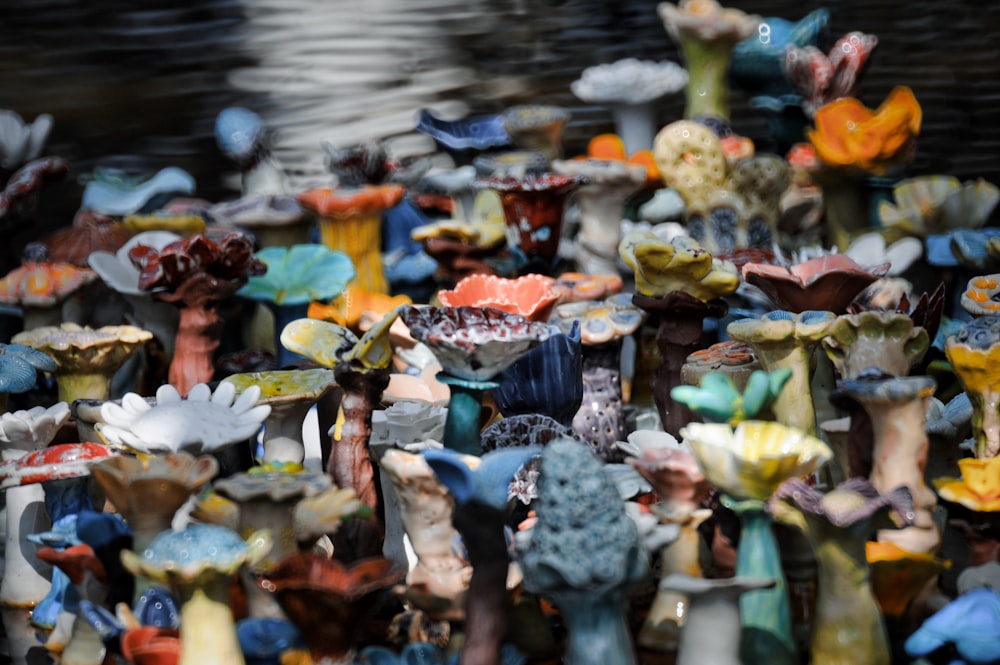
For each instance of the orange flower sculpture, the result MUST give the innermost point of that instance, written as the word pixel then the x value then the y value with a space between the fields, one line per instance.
pixel 610 147
pixel 850 135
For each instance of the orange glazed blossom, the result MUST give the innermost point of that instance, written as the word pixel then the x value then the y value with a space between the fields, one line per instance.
pixel 848 134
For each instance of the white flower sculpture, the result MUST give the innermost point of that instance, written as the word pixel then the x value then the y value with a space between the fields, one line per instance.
pixel 33 428
pixel 204 422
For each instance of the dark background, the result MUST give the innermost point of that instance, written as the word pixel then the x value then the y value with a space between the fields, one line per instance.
pixel 147 78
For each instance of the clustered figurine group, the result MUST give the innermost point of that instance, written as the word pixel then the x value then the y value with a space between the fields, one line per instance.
pixel 670 401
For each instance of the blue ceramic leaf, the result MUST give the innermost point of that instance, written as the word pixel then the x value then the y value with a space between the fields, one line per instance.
pixel 156 607
pixel 453 473
pixel 34 357
pixel 110 199
pixel 103 621
pixel 959 410
pixel 16 376
pixel 968 246
pixel 971 622
pixel 478 133
pixel 938 250
pixel 492 479
pixel 408 268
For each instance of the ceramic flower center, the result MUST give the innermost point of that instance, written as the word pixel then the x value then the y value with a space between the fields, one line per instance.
pixel 842 503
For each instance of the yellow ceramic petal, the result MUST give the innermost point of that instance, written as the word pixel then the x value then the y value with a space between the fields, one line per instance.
pixel 321 341
pixel 751 461
pixel 374 350
pixel 956 491
pixel 449 228
pixel 975 368
pixel 982 476
pixel 680 265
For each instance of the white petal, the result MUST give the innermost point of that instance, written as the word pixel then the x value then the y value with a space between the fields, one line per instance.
pixel 116 416
pixel 258 414
pixel 135 404
pixel 200 393
pixel 224 394
pixel 166 394
pixel 247 399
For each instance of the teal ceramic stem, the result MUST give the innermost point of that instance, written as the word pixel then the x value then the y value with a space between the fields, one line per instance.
pixel 462 426
pixel 599 633
pixel 765 614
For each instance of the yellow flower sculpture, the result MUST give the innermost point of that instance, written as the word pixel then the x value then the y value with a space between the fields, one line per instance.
pixel 979 487
pixel 750 461
pixel 850 135
pixel 682 264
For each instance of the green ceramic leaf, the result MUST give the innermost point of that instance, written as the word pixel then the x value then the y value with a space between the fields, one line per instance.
pixel 299 274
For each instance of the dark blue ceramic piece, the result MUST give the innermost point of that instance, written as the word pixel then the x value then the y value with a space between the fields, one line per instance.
pixel 101 529
pixel 547 380
pixel 478 133
pixel 785 118
pixel 104 623
pixel 758 62
pixel 264 639
pixel 422 653
pixel 398 223
pixel 156 607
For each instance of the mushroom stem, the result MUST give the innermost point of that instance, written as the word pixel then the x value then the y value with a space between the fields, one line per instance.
pixel 680 319
pixel 350 464
pixel 198 335
pixel 76 386
pixel 635 124
pixel 487 601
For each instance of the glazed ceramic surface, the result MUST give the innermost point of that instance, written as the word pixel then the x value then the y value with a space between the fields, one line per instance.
pixel 474 343
pixel 583 554
pixel 204 421
pixel 530 296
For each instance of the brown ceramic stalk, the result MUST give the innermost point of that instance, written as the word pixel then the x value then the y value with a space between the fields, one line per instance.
pixel 487 602
pixel 350 464
pixel 200 329
pixel 679 317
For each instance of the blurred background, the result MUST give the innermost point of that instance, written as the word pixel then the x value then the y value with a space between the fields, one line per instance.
pixel 147 78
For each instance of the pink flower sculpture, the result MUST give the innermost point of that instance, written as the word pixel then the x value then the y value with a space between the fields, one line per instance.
pixel 820 78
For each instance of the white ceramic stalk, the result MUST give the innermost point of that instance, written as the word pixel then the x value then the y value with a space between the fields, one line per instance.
pixel 635 124
pixel 26 578
pixel 712 629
